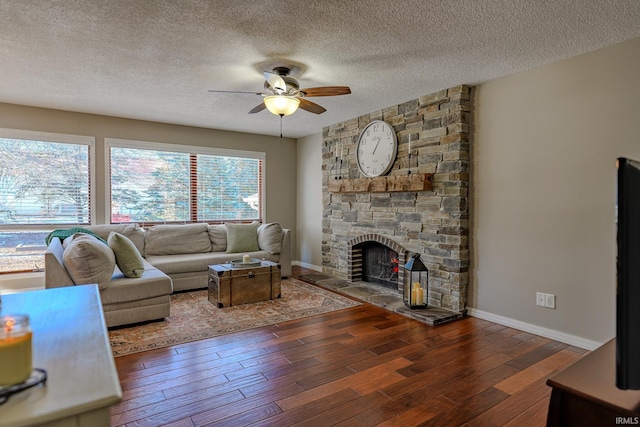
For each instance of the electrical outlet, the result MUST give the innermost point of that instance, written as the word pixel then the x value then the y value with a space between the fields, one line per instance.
pixel 550 301
pixel 541 299
pixel 545 300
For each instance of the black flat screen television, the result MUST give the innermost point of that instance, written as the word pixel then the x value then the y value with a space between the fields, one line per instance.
pixel 628 277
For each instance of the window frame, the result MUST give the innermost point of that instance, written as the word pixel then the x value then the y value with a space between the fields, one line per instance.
pixel 179 148
pixel 60 138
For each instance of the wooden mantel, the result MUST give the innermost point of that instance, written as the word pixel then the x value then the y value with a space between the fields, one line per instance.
pixel 383 184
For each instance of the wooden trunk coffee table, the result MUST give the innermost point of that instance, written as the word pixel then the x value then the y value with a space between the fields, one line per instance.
pixel 229 285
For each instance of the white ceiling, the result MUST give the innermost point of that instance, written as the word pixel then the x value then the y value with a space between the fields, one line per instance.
pixel 156 59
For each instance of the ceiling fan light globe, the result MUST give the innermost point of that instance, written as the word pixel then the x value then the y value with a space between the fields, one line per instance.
pixel 281 105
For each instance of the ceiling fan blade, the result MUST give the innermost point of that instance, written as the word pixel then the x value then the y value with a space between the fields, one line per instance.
pixel 275 81
pixel 326 91
pixel 235 91
pixel 311 107
pixel 258 108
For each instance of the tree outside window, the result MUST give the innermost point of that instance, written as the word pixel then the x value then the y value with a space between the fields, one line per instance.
pixel 43 184
pixel 158 186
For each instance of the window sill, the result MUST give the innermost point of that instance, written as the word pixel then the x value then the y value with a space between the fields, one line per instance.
pixel 20 282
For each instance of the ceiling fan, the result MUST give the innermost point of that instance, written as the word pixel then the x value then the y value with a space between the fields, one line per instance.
pixel 283 96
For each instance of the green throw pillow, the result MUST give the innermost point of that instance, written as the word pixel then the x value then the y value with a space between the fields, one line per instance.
pixel 128 258
pixel 242 238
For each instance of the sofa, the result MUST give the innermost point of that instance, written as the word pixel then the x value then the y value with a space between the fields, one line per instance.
pixel 171 258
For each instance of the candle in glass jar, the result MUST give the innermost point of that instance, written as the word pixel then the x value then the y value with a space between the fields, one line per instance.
pixel 15 350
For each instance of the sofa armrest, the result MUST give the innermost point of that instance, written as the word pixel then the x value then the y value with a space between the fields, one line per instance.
pixel 55 275
pixel 285 253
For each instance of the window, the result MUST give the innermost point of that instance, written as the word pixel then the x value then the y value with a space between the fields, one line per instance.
pixel 45 182
pixel 158 183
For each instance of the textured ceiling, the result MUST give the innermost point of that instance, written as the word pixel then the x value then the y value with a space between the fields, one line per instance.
pixel 156 59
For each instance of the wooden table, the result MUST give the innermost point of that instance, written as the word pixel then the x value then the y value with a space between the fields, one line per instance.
pixel 70 342
pixel 585 394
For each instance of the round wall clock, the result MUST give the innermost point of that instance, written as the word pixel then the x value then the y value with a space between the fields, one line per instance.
pixel 377 149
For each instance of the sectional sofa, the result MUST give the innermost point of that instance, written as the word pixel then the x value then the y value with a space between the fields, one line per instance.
pixel 172 258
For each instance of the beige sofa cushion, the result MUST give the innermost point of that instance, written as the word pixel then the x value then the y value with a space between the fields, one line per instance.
pixel 128 258
pixel 218 237
pixel 153 283
pixel 132 232
pixel 185 263
pixel 177 239
pixel 242 238
pixel 270 238
pixel 88 260
pixel 55 275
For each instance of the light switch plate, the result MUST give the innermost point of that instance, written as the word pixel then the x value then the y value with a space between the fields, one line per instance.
pixel 541 299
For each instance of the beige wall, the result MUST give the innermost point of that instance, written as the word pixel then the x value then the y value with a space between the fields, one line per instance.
pixel 309 232
pixel 280 176
pixel 543 189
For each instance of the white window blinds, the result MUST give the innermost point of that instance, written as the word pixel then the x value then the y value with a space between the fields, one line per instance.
pixel 152 186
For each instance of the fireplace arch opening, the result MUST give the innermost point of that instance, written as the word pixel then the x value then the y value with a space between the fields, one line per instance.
pixel 376 259
pixel 379 264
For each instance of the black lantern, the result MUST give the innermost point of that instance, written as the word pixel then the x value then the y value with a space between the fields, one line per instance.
pixel 416 283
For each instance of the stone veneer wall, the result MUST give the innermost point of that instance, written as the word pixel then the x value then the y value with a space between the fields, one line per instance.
pixel 433 223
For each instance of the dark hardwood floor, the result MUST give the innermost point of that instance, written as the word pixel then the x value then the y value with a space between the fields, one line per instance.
pixel 362 366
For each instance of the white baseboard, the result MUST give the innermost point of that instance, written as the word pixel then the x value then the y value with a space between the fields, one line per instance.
pixel 535 329
pixel 309 266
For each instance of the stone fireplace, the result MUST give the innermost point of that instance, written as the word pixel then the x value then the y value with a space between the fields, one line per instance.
pixel 432 221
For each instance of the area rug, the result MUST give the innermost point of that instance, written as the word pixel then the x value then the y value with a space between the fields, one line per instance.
pixel 194 318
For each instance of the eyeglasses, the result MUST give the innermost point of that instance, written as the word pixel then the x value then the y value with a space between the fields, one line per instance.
pixel 38 376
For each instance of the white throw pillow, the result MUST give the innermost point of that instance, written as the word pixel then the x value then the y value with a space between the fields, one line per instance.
pixel 88 260
pixel 270 238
